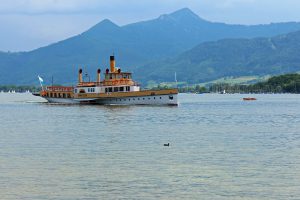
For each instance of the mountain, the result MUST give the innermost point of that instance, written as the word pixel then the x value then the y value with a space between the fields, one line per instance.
pixel 134 45
pixel 229 57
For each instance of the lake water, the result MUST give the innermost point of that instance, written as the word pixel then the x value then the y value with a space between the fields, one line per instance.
pixel 220 148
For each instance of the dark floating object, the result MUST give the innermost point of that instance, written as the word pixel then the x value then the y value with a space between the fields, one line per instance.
pixel 166 145
pixel 249 99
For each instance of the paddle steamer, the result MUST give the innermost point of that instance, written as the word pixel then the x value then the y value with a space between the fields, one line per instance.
pixel 117 88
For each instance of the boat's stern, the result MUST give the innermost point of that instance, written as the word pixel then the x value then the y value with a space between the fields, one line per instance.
pixel 36 94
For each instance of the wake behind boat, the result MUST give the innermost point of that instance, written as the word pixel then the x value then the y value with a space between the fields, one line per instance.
pixel 117 88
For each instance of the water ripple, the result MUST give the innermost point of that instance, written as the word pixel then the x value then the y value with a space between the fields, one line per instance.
pixel 220 148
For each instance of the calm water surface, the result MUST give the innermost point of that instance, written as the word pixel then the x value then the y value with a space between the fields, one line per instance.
pixel 220 148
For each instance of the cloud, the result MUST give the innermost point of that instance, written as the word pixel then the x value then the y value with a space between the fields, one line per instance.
pixel 27 32
pixel 121 11
pixel 37 7
pixel 45 6
pixel 28 24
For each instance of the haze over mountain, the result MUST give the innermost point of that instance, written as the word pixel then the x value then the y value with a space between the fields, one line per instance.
pixel 134 46
pixel 230 57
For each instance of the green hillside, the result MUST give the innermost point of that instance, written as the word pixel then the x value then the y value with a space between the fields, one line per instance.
pixel 230 58
pixel 287 83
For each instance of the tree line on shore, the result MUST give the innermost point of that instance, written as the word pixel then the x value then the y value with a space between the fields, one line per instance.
pixel 288 83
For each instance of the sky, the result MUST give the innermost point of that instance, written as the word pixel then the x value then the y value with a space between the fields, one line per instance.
pixel 30 24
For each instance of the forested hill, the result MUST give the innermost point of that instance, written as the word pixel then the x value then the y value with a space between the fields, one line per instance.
pixel 287 83
pixel 230 57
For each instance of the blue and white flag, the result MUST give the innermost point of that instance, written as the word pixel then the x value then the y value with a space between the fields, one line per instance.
pixel 40 79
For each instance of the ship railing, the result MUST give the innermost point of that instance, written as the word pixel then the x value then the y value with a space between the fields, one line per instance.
pixel 59 89
pixel 136 83
pixel 121 82
pixel 108 83
pixel 89 84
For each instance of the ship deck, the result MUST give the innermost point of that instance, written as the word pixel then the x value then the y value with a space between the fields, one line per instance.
pixel 125 94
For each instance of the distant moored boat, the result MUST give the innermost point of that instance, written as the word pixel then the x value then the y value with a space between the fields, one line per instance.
pixel 249 99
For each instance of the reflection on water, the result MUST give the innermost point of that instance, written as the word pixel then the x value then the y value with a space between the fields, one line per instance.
pixel 220 148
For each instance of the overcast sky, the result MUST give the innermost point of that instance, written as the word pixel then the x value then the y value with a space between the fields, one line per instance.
pixel 29 24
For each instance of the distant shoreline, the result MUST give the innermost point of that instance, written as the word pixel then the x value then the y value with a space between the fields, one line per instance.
pixel 283 84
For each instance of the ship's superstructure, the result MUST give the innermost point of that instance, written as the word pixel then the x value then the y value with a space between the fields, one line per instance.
pixel 117 87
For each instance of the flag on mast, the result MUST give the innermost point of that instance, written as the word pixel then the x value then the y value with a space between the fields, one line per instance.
pixel 41 81
pixel 176 79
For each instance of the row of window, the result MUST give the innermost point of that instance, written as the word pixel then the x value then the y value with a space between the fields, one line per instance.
pixel 134 99
pixel 117 76
pixel 109 89
pixel 83 91
pixel 59 95
pixel 91 89
pixel 68 95
pixel 117 89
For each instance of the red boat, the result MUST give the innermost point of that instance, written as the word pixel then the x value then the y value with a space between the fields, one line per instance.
pixel 249 99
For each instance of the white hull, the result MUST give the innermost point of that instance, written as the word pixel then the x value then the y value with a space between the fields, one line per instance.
pixel 61 100
pixel 141 100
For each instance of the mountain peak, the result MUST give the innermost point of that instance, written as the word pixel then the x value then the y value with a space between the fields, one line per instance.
pixel 186 11
pixel 183 15
pixel 106 23
pixel 105 26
